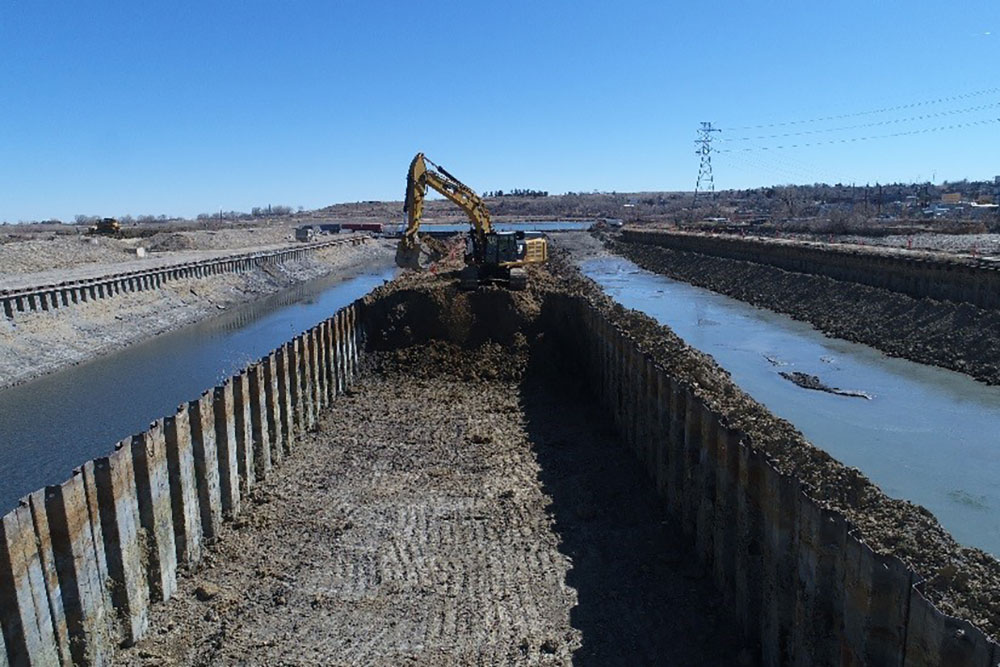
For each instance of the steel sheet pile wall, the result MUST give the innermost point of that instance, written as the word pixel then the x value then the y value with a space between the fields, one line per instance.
pixel 916 275
pixel 804 587
pixel 41 298
pixel 81 562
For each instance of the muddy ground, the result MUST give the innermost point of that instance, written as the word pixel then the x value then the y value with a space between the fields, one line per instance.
pixel 43 342
pixel 450 511
pixel 957 336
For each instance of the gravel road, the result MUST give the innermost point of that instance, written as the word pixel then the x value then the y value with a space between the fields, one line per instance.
pixel 975 244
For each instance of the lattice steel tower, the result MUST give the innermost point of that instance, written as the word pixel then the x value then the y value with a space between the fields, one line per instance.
pixel 704 142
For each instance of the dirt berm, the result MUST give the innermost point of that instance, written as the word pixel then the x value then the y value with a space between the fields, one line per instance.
pixel 957 336
pixel 467 502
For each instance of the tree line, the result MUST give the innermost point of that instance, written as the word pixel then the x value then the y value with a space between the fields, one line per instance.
pixel 518 192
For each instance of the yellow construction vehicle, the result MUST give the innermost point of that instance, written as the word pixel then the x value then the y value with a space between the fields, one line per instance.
pixel 490 255
pixel 107 227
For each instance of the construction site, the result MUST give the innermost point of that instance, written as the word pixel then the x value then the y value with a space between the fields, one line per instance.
pixel 525 445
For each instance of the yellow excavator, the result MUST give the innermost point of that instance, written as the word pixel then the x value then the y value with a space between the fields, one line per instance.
pixel 490 255
pixel 106 227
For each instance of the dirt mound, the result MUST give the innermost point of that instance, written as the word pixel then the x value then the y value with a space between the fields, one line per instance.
pixel 19 255
pixel 170 242
pixel 418 307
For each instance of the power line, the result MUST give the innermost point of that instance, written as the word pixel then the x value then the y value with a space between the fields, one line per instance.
pixel 892 121
pixel 756 162
pixel 900 107
pixel 850 140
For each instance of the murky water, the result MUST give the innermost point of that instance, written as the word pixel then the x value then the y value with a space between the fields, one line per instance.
pixel 928 435
pixel 51 425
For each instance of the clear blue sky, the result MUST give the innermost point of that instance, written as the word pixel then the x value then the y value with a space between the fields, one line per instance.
pixel 131 107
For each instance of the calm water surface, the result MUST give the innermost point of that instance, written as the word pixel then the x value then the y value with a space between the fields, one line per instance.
pixel 928 435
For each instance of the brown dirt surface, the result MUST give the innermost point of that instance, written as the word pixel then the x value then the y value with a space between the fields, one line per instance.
pixel 437 517
pixel 958 336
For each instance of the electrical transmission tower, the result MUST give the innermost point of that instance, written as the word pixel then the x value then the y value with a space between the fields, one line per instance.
pixel 704 142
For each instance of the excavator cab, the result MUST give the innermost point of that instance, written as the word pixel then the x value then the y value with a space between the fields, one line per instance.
pixel 497 258
pixel 502 247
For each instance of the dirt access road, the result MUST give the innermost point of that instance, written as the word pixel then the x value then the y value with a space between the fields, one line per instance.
pixel 417 526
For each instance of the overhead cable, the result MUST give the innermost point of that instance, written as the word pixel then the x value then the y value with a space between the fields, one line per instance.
pixel 849 140
pixel 891 121
pixel 940 100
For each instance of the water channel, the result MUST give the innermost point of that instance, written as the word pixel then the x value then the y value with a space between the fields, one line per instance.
pixel 927 434
pixel 52 424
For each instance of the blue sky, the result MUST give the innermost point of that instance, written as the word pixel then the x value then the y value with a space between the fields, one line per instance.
pixel 113 107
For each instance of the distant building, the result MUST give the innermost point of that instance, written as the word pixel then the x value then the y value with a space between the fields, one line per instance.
pixel 951 197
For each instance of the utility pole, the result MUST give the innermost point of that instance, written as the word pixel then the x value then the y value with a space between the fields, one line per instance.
pixel 704 142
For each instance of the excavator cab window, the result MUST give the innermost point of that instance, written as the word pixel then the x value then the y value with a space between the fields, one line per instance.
pixel 501 247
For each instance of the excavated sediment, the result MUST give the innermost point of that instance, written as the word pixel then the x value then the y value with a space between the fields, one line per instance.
pixel 957 336
pixel 456 507
pixel 964 582
pixel 456 503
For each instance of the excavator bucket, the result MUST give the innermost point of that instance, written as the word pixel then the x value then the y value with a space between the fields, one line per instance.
pixel 419 252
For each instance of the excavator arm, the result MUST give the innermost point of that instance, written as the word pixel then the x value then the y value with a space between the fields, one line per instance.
pixel 414 252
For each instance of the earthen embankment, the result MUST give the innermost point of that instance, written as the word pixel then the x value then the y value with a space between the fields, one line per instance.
pixel 952 334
